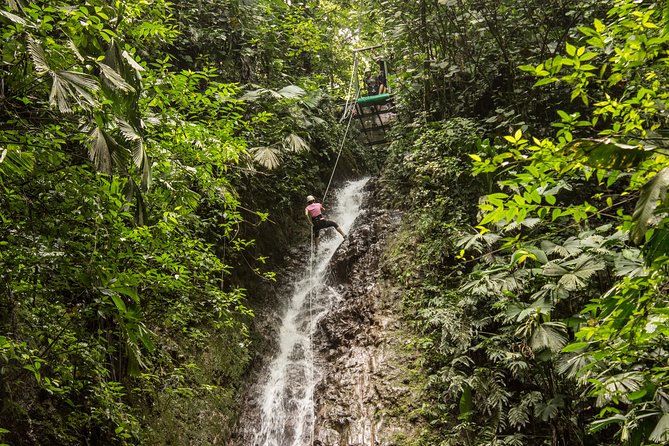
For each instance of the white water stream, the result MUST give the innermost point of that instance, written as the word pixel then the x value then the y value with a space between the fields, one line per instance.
pixel 287 399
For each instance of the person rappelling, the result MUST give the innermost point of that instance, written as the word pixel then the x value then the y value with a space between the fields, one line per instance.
pixel 314 213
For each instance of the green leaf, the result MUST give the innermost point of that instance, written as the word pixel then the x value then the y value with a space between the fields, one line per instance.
pixel 127 291
pixel 545 81
pixel 13 17
pixel 119 303
pixel 657 246
pixel 38 57
pixel 575 346
pixel 549 335
pixel 654 191
pixel 607 153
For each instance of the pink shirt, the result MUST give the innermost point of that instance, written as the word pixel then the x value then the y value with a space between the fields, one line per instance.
pixel 314 209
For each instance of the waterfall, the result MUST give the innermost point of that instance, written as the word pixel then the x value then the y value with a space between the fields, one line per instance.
pixel 287 399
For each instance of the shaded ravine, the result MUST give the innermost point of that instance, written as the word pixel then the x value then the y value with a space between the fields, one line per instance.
pixel 281 404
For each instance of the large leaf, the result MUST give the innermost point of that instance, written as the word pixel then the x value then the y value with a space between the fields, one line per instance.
pixel 292 92
pixel 295 143
pixel 608 153
pixel 70 87
pixel 266 156
pixel 114 79
pixel 38 57
pixel 139 156
pixel 15 162
pixel 550 409
pixel 661 432
pixel 13 17
pixel 571 247
pixel 101 149
pixel 658 245
pixel 653 192
pixel 629 264
pixel 549 335
pixel 133 63
pixel 618 387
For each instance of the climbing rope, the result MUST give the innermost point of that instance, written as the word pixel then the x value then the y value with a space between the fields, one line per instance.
pixel 341 147
pixel 348 110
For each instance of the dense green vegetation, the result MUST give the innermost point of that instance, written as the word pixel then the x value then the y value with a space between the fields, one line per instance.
pixel 134 174
pixel 538 282
pixel 147 149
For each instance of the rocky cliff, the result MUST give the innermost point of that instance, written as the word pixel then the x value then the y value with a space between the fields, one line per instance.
pixel 362 354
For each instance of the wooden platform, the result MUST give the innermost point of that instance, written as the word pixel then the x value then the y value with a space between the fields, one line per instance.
pixel 375 115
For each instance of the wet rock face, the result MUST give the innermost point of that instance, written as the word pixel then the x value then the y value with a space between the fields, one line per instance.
pixel 360 352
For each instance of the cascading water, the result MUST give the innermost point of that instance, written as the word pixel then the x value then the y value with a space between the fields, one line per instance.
pixel 287 399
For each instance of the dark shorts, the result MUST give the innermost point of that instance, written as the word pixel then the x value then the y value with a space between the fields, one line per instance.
pixel 322 223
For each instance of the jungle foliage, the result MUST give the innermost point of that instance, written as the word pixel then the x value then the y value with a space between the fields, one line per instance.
pixel 541 312
pixel 134 170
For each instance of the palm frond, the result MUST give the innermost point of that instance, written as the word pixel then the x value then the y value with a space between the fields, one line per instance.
pixel 291 92
pixel 660 433
pixel 549 335
pixel 13 17
pixel 629 264
pixel 294 143
pixel 617 387
pixel 83 85
pixel 75 50
pixel 571 247
pixel 15 162
pixel 114 79
pixel 576 366
pixel 101 150
pixel 549 410
pixel 59 95
pixel 654 191
pixel 128 131
pixel 266 156
pixel 38 56
pixel 15 5
pixel 132 62
pixel 70 87
pixel 146 172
